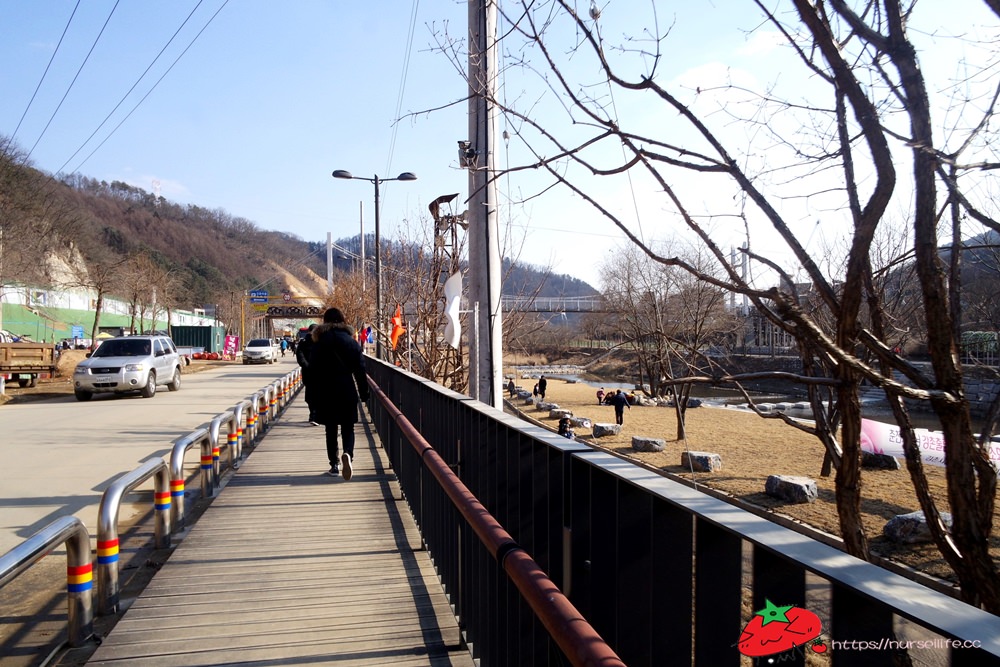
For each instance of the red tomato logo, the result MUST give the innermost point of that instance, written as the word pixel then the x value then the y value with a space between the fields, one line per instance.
pixel 776 629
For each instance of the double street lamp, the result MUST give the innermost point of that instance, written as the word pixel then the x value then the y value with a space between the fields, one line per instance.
pixel 405 176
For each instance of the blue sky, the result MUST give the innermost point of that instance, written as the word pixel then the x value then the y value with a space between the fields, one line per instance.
pixel 273 96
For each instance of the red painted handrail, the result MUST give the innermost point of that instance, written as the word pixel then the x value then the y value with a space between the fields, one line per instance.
pixel 571 631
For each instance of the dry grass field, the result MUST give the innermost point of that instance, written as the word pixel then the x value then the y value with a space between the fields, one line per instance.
pixel 752 448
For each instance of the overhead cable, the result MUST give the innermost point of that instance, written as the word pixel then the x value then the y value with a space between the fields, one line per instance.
pixel 42 80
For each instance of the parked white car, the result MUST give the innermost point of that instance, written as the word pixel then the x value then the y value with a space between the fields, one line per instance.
pixel 260 351
pixel 129 363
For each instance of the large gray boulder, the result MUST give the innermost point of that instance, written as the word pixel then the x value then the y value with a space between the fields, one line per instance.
pixel 544 405
pixel 581 422
pixel 644 444
pixel 911 528
pixel 560 413
pixel 701 461
pixel 791 488
pixel 601 430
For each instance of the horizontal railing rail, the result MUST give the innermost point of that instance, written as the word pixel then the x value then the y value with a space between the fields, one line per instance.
pixel 70 531
pixel 577 639
pixel 665 574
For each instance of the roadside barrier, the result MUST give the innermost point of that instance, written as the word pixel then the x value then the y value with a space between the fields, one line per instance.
pixel 107 526
pixel 79 570
pixel 255 412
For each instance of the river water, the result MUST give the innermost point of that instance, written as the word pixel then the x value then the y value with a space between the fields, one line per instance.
pixel 724 396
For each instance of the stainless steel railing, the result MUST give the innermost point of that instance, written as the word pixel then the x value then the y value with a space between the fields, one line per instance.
pixel 107 526
pixel 246 422
pixel 79 570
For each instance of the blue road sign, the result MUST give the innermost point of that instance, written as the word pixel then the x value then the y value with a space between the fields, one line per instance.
pixel 258 296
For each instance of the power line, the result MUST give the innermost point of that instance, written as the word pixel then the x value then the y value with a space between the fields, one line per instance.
pixel 402 86
pixel 125 96
pixel 75 77
pixel 45 73
pixel 149 92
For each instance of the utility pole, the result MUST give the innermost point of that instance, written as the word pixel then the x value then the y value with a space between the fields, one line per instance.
pixel 485 352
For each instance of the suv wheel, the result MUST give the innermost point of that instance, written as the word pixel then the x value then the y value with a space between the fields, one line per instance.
pixel 175 384
pixel 83 395
pixel 150 389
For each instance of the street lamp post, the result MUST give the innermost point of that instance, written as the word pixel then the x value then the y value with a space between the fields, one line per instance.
pixel 405 176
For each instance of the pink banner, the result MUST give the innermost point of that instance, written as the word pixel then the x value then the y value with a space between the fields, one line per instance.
pixel 230 346
pixel 882 438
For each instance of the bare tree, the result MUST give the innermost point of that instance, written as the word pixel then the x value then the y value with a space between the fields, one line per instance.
pixel 851 105
pixel 675 323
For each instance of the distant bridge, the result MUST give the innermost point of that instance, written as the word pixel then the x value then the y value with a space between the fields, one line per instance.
pixel 554 304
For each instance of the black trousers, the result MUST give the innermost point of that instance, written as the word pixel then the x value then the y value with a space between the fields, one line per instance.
pixel 346 435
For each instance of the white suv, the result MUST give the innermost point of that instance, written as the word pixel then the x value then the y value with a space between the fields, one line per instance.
pixel 128 363
pixel 260 350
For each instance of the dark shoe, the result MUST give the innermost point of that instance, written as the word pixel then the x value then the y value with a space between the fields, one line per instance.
pixel 332 472
pixel 345 460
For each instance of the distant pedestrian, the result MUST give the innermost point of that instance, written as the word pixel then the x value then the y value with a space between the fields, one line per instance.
pixel 600 396
pixel 302 353
pixel 338 381
pixel 542 385
pixel 620 401
pixel 565 428
pixel 534 390
pixel 284 346
pixel 511 389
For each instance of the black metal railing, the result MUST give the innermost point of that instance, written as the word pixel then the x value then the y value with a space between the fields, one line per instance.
pixel 663 573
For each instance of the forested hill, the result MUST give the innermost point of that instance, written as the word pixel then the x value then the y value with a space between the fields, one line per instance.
pixel 80 230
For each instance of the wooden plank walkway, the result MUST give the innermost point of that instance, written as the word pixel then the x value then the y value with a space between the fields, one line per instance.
pixel 291 567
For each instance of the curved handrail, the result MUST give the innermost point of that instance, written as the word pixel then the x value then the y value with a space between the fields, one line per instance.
pixel 571 631
pixel 197 437
pixel 79 571
pixel 108 584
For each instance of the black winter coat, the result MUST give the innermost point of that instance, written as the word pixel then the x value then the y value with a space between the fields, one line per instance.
pixel 336 375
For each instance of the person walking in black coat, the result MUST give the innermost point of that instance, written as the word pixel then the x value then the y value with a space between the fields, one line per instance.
pixel 542 386
pixel 302 352
pixel 337 380
pixel 620 401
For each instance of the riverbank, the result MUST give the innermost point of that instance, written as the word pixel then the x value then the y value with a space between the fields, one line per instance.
pixel 752 448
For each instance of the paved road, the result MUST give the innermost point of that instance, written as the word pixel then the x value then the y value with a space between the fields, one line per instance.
pixel 57 456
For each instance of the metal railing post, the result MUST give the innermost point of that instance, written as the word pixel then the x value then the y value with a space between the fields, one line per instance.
pixel 107 526
pixel 79 570
pixel 240 413
pixel 177 506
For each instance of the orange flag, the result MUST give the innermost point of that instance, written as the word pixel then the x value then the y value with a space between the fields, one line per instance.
pixel 397 327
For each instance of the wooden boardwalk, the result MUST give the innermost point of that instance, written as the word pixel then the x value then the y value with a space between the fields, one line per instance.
pixel 291 567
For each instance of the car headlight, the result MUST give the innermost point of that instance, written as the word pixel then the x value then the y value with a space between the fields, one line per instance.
pixel 135 368
pixel 81 371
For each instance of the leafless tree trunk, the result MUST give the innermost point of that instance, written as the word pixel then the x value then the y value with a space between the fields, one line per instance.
pixel 828 144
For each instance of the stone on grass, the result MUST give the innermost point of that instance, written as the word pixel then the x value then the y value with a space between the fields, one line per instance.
pixel 911 528
pixel 879 461
pixel 544 405
pixel 560 413
pixel 644 444
pixel 601 430
pixel 580 422
pixel 791 488
pixel 701 461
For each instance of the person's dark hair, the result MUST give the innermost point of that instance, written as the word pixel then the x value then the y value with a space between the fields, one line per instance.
pixel 333 316
pixel 312 326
